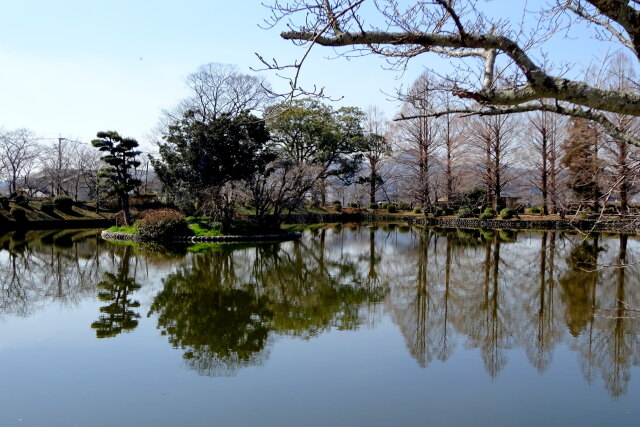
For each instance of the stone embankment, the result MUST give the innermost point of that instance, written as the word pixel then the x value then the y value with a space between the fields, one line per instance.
pixel 126 237
pixel 615 226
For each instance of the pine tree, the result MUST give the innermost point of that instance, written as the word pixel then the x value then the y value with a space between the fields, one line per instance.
pixel 121 159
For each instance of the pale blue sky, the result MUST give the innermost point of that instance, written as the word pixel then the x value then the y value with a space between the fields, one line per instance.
pixel 72 67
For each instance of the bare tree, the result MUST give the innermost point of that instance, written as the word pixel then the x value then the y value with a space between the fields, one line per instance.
pixel 220 89
pixel 280 188
pixel 87 162
pixel 460 29
pixel 453 128
pixel 494 138
pixel 18 155
pixel 418 138
pixel 546 135
pixel 377 148
pixel 623 159
pixel 57 166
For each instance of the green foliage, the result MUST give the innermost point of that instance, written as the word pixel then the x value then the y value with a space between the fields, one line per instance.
pixel 337 206
pixel 4 202
pixel 131 229
pixel 199 229
pixel 198 155
pixel 162 224
pixel 535 209
pixel 465 213
pixel 391 208
pixel 354 205
pixel 19 214
pixel 310 132
pixel 507 213
pixel 488 213
pixel 404 206
pixel 374 206
pixel 418 209
pixel 121 158
pixel 63 203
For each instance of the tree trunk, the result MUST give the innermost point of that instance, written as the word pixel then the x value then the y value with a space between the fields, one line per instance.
pixel 126 210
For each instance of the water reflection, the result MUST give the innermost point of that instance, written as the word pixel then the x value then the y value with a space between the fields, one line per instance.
pixel 225 306
pixel 38 267
pixel 446 290
pixel 118 315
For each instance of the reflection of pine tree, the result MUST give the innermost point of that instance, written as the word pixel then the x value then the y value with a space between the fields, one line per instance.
pixel 117 316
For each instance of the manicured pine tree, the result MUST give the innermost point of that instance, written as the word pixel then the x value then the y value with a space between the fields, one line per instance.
pixel 121 158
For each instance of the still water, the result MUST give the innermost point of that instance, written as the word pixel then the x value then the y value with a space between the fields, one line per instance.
pixel 385 325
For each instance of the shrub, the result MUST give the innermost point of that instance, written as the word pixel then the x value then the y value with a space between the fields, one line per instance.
pixel 162 224
pixel 354 205
pixel 386 205
pixel 63 203
pixel 404 206
pixel 392 208
pixel 418 209
pixel 21 200
pixel 18 214
pixel 488 213
pixel 337 206
pixel 47 207
pixel 465 213
pixel 507 213
pixel 535 209
pixel 373 206
pixel 337 202
pixel 4 202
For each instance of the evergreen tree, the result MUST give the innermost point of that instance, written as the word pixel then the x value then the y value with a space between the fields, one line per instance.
pixel 581 159
pixel 121 159
pixel 198 156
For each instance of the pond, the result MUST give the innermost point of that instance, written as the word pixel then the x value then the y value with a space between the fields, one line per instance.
pixel 352 325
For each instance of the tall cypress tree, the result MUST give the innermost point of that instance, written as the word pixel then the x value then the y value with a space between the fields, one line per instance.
pixel 121 158
pixel 581 159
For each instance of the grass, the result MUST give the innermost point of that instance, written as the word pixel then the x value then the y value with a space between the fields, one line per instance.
pixel 130 229
pixel 199 230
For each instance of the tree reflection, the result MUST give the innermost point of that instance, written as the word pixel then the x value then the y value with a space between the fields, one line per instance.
pixel 118 315
pixel 35 269
pixel 225 308
pixel 579 285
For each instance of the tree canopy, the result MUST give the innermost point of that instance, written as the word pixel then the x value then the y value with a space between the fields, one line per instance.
pixel 197 155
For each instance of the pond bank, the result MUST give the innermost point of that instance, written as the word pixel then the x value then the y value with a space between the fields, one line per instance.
pixel 616 226
pixel 126 237
pixel 631 226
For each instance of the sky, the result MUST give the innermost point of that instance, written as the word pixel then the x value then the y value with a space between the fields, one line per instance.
pixel 72 68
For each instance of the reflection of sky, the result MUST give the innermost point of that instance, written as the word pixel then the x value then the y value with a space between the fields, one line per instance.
pixel 55 372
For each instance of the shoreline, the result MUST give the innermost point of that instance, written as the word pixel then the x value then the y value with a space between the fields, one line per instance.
pixel 280 237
